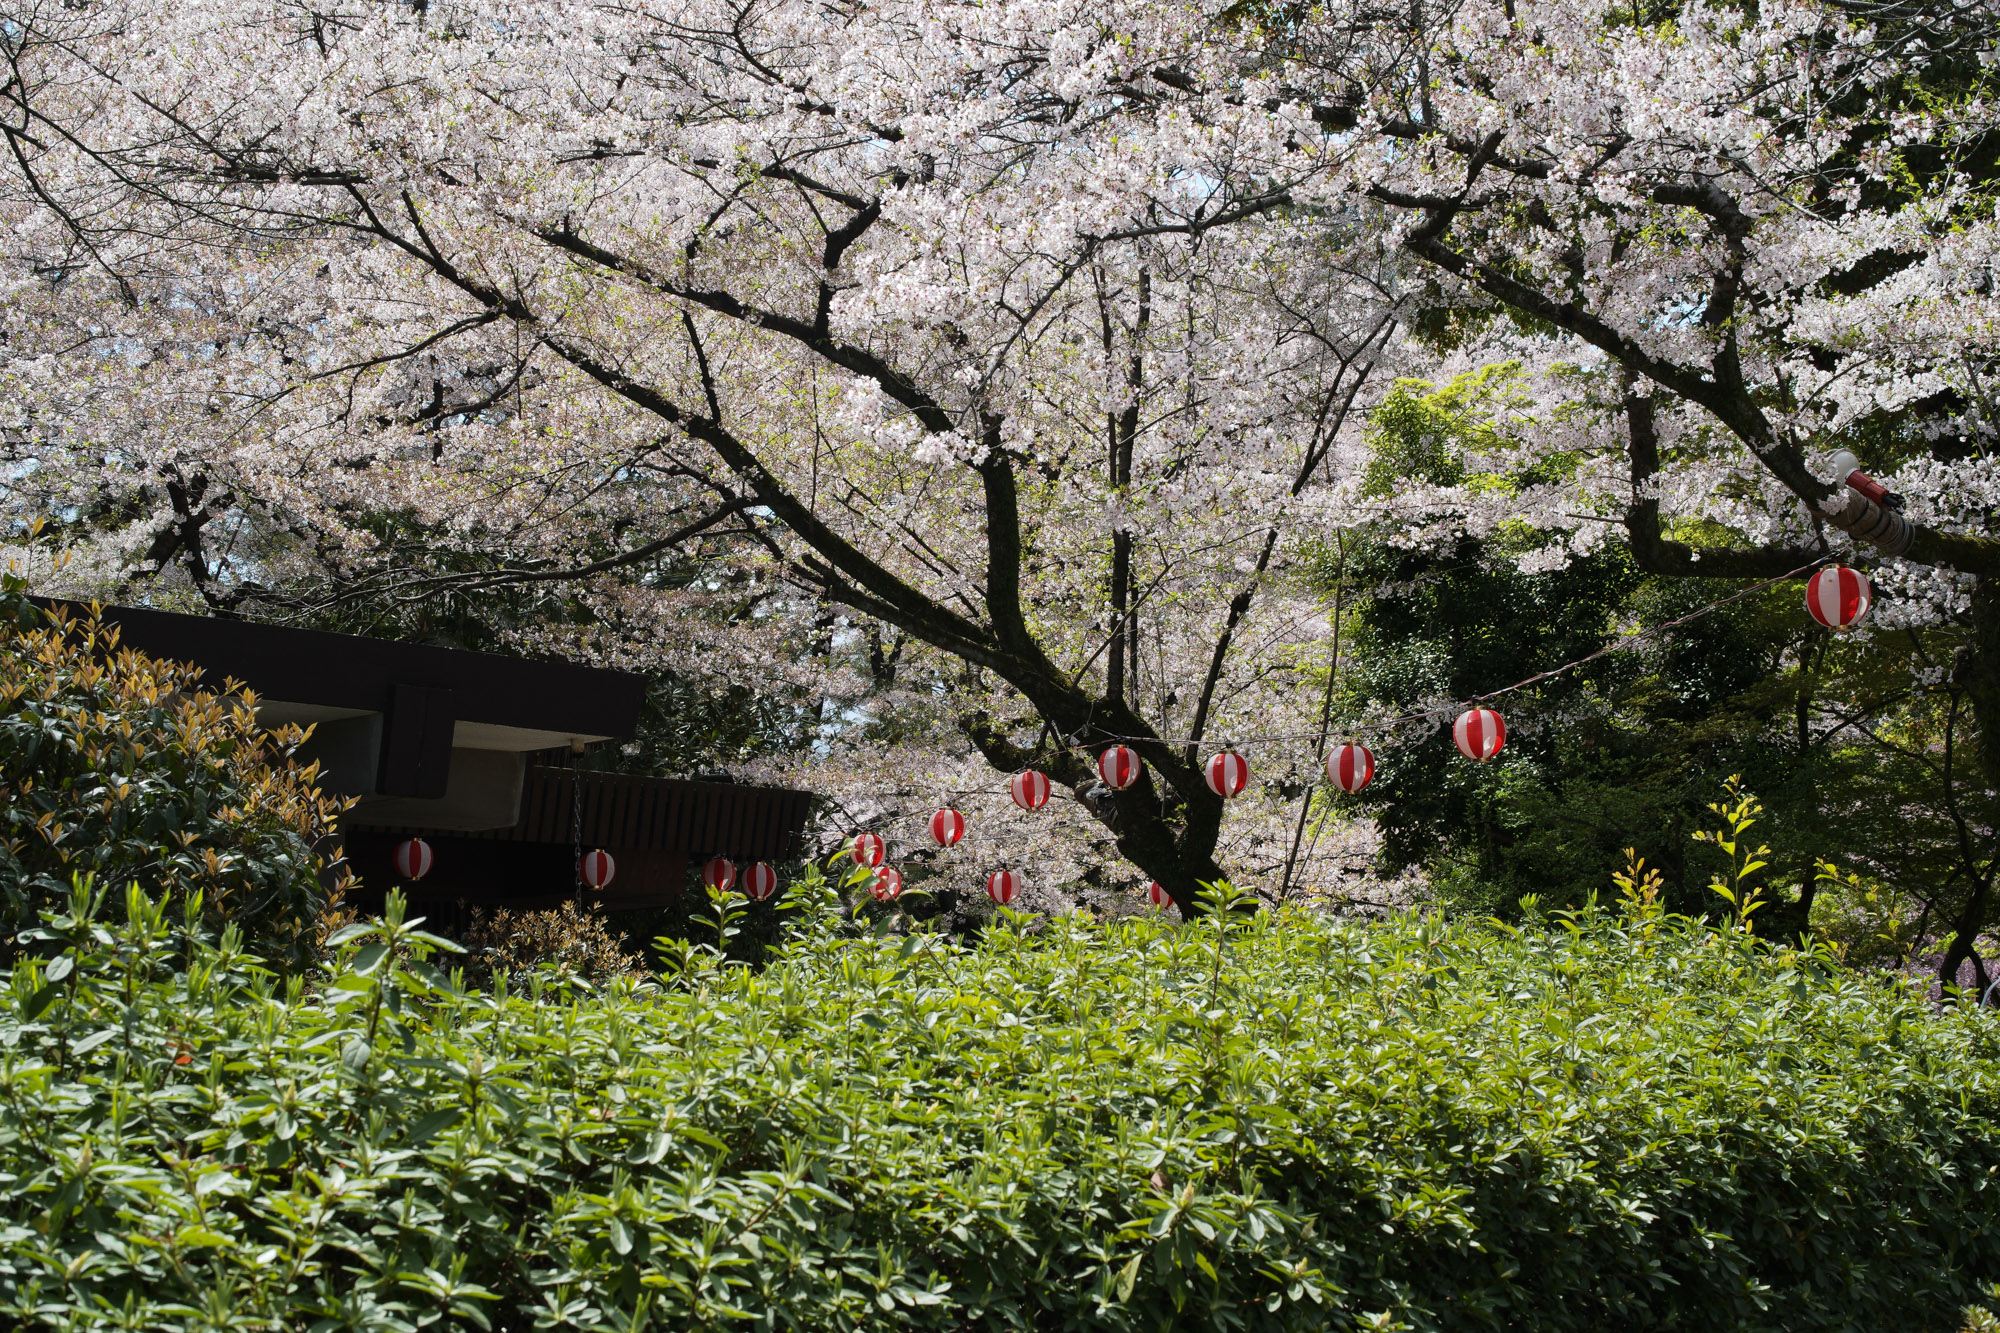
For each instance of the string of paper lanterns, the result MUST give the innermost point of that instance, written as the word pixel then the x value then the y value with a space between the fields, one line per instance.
pixel 1837 597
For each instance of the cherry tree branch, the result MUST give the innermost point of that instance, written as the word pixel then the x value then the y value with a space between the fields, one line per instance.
pixel 1720 388
pixel 481 580
pixel 1657 555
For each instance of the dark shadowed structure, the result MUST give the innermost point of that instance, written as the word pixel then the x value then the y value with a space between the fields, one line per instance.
pixel 476 754
pixel 653 828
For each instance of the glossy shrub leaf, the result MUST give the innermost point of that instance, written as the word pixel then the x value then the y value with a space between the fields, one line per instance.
pixel 1284 1122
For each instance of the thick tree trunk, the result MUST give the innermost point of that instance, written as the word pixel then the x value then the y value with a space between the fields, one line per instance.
pixel 1166 823
pixel 1964 944
pixel 1790 919
pixel 1979 674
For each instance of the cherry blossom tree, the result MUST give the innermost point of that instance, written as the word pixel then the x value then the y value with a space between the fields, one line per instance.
pixel 960 318
pixel 1032 335
pixel 1762 234
pixel 1758 235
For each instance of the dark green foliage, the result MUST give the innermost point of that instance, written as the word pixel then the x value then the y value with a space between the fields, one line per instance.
pixel 1854 760
pixel 1270 1122
pixel 121 766
pixel 1462 629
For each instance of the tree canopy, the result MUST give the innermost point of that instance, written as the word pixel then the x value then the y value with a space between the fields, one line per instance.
pixel 999 374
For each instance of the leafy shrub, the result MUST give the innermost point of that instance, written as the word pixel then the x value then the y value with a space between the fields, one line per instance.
pixel 1274 1122
pixel 575 943
pixel 730 926
pixel 124 767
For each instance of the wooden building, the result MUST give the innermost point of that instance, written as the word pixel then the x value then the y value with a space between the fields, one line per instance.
pixel 656 829
pixel 479 755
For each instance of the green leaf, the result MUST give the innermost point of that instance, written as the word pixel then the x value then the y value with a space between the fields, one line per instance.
pixel 1128 1276
pixel 93 1041
pixel 200 1237
pixel 436 1123
pixel 39 1002
pixel 211 1181
pixel 430 976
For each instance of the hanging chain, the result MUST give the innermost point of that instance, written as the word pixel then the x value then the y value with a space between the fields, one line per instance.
pixel 576 824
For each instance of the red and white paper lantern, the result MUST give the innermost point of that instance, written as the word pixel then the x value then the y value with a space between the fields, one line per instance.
pixel 596 869
pixel 888 883
pixel 719 872
pixel 869 849
pixel 1349 767
pixel 1479 733
pixel 1119 767
pixel 1838 596
pixel 760 882
pixel 947 827
pixel 1158 896
pixel 413 858
pixel 1002 885
pixel 1030 789
pixel 1226 774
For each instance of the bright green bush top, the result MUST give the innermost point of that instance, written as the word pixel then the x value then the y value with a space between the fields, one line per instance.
pixel 1306 1124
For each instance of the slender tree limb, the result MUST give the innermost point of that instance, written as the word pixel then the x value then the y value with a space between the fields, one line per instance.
pixel 1720 391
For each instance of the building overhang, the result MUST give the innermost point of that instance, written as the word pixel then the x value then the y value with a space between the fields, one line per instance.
pixel 307 675
pixel 415 733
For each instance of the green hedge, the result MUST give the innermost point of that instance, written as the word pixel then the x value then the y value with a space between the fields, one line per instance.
pixel 1597 1123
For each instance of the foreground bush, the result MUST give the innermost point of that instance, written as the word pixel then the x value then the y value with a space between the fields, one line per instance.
pixel 1305 1124
pixel 565 940
pixel 125 767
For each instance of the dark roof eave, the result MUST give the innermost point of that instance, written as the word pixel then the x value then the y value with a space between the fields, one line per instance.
pixel 309 666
